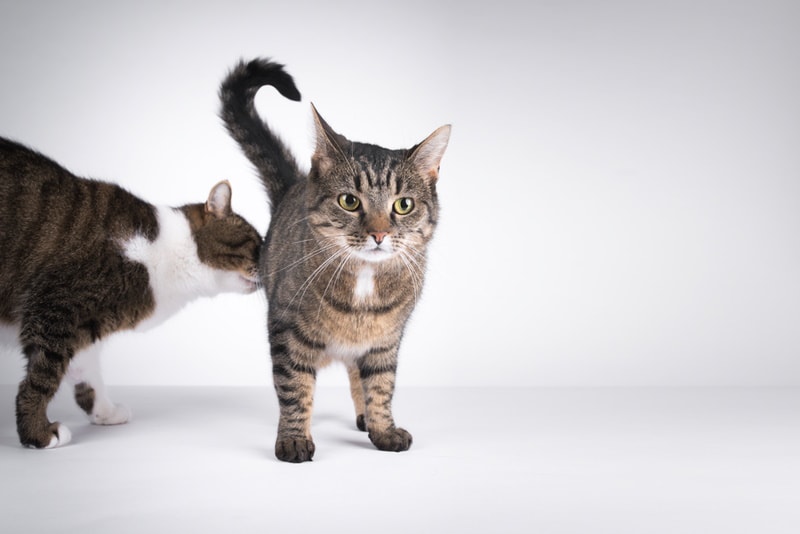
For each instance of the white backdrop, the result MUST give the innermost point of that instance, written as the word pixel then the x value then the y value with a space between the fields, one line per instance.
pixel 621 196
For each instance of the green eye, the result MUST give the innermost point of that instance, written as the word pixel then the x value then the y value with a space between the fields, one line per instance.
pixel 403 206
pixel 349 202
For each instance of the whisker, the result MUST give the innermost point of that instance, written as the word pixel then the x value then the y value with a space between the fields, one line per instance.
pixel 335 277
pixel 315 252
pixel 306 285
pixel 414 272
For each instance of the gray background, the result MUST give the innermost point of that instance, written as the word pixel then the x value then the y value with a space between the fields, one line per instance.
pixel 621 196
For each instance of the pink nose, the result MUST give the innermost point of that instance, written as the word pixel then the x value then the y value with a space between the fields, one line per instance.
pixel 379 236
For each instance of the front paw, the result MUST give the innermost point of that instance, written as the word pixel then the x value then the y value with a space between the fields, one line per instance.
pixel 393 439
pixel 294 450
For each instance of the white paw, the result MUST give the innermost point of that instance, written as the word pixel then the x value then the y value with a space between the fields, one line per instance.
pixel 113 414
pixel 60 438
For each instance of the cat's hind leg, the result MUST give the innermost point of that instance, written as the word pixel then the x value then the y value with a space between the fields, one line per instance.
pixel 45 370
pixel 357 394
pixel 90 391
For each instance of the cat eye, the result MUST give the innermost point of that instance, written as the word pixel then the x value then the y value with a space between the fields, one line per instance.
pixel 403 206
pixel 349 202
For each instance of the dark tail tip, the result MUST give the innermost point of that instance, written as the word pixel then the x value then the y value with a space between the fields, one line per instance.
pixel 262 71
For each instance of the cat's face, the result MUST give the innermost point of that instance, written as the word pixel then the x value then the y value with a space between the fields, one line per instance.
pixel 225 241
pixel 374 204
pixel 375 209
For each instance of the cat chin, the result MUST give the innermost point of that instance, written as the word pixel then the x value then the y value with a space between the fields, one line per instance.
pixel 229 282
pixel 374 255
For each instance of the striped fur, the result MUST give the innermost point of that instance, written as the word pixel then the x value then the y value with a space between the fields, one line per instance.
pixel 342 264
pixel 81 259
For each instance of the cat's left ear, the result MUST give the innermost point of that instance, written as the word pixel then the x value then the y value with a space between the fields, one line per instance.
pixel 427 155
pixel 219 200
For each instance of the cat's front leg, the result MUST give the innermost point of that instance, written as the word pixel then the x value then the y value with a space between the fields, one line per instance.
pixel 90 391
pixel 377 373
pixel 294 381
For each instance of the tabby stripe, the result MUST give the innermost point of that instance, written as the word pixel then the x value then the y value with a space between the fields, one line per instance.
pixel 278 349
pixel 68 224
pixel 429 209
pixel 280 370
pixel 320 201
pixel 305 340
pixel 366 371
pixel 357 182
pixel 378 350
pixel 347 308
pixel 282 388
pixel 301 368
pixel 276 328
pixel 399 184
pixel 288 401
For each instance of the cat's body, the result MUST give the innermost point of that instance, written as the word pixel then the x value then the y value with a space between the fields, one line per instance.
pixel 81 259
pixel 343 260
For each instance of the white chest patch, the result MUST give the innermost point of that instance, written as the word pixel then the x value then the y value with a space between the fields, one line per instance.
pixel 365 282
pixel 346 353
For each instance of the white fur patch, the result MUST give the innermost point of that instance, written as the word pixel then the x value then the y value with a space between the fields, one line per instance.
pixel 346 353
pixel 112 414
pixel 61 437
pixel 365 282
pixel 177 275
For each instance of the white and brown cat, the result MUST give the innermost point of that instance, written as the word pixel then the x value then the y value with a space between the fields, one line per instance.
pixel 81 259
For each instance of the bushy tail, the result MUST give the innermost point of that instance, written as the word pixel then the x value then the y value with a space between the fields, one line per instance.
pixel 275 164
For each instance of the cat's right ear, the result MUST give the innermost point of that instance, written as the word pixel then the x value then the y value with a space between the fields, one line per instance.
pixel 219 200
pixel 330 145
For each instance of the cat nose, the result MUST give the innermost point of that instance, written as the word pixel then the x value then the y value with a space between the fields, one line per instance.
pixel 379 236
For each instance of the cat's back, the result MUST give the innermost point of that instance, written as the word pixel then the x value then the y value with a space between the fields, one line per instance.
pixel 40 196
pixel 50 217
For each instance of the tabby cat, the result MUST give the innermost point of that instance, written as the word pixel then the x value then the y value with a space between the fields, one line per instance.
pixel 343 260
pixel 80 259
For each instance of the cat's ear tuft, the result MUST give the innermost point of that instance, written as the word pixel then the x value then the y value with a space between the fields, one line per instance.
pixel 329 146
pixel 427 155
pixel 219 200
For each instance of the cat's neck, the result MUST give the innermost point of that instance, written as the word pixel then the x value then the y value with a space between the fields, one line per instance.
pixel 176 273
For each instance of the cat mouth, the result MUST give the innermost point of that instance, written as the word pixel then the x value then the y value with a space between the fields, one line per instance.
pixel 251 281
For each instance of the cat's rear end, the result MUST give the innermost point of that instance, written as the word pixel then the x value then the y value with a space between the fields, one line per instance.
pixel 81 259
pixel 62 234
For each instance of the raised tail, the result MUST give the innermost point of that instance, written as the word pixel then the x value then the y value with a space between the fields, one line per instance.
pixel 270 156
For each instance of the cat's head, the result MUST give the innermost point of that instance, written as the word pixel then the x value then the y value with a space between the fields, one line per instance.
pixel 375 203
pixel 225 241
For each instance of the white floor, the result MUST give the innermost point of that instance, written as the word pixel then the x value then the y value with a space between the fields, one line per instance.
pixel 483 460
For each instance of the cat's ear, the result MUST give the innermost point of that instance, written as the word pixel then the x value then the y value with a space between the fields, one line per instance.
pixel 219 200
pixel 330 145
pixel 427 155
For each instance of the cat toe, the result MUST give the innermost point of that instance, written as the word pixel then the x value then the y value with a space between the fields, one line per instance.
pixel 116 414
pixel 394 439
pixel 61 436
pixel 361 423
pixel 294 450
